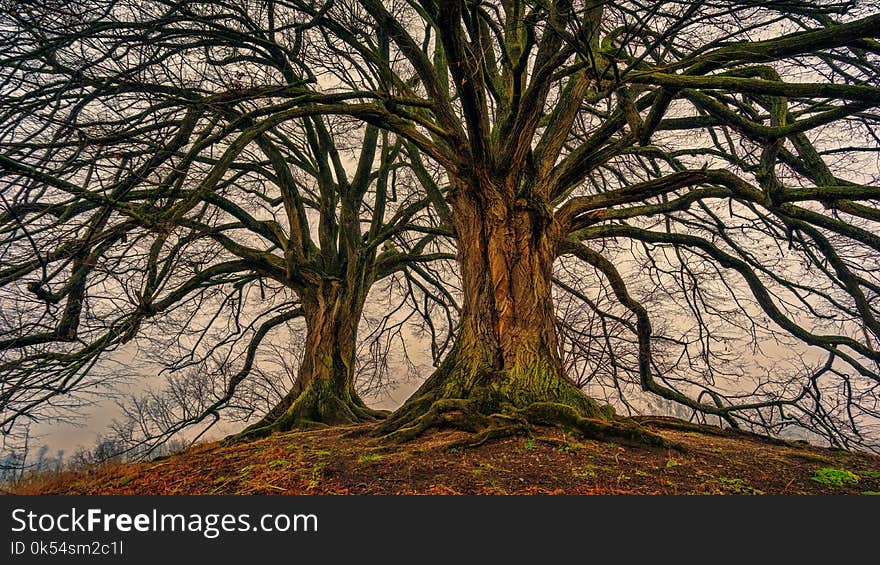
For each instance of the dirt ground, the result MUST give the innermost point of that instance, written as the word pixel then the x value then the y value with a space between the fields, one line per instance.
pixel 349 461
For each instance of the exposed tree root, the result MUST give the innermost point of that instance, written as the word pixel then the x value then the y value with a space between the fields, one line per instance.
pixel 464 414
pixel 447 412
pixel 458 397
pixel 680 425
pixel 317 407
pixel 614 429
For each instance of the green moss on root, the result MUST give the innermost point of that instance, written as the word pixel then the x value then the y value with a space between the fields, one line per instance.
pixel 319 405
pixel 493 406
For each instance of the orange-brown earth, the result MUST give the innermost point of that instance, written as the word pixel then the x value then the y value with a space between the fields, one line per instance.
pixel 344 461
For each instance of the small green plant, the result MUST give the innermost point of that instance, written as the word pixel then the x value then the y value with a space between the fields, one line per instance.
pixel 530 444
pixel 366 459
pixel 672 463
pixel 738 486
pixel 317 475
pixel 871 493
pixel 872 474
pixel 483 468
pixel 586 472
pixel 278 464
pixel 834 477
pixel 247 469
pixel 323 453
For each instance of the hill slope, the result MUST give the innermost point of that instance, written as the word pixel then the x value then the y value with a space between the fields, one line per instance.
pixel 347 461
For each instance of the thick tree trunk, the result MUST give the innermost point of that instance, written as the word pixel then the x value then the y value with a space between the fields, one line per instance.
pixel 506 356
pixel 324 393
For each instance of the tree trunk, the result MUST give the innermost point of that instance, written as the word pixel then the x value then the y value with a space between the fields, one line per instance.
pixel 324 393
pixel 506 355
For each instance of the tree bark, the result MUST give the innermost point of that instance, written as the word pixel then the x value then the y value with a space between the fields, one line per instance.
pixel 324 393
pixel 506 356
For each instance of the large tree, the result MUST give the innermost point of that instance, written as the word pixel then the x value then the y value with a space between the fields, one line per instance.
pixel 164 166
pixel 700 131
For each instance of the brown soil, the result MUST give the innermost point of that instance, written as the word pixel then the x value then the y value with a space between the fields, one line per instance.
pixel 346 460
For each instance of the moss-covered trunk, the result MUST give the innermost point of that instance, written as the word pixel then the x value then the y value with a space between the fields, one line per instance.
pixel 324 393
pixel 506 355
